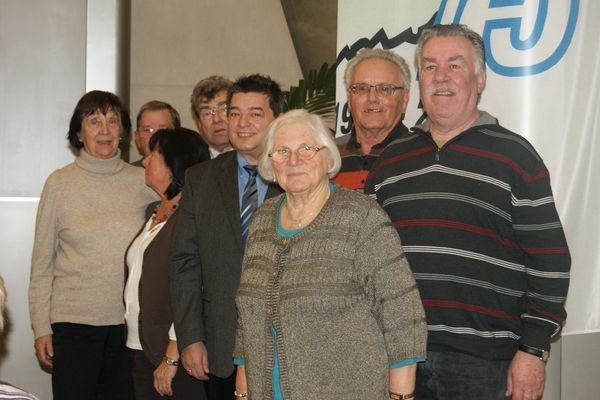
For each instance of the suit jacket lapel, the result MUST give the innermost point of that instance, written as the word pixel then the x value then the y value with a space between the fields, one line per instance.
pixel 162 238
pixel 228 187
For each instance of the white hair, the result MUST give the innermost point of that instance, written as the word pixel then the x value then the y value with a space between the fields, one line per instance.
pixel 316 127
pixel 388 55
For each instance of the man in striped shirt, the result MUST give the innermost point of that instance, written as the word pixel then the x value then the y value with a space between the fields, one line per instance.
pixel 473 205
pixel 377 84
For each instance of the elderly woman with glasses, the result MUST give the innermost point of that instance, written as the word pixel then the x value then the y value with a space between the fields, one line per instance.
pixel 327 305
pixel 88 212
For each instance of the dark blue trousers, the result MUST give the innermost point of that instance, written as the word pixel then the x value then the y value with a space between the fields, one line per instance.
pixel 220 388
pixel 458 376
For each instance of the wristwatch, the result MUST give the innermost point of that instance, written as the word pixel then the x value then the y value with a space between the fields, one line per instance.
pixel 398 396
pixel 170 361
pixel 543 355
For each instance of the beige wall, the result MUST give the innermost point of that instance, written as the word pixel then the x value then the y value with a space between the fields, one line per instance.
pixel 176 43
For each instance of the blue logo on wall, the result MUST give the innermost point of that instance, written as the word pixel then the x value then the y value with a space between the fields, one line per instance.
pixel 463 11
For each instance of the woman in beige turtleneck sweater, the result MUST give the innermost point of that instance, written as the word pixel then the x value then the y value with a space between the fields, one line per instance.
pixel 88 213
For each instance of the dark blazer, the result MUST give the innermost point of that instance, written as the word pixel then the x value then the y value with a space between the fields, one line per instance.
pixel 155 316
pixel 206 260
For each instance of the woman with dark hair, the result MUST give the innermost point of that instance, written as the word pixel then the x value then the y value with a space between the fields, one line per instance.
pixel 150 333
pixel 88 212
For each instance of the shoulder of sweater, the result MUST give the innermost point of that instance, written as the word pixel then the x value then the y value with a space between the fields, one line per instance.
pixel 404 142
pixel 489 136
pixel 72 168
pixel 60 181
pixel 132 170
pixel 363 206
pixel 62 175
pixel 132 175
pixel 272 203
pixel 136 176
pixel 344 195
pixel 509 140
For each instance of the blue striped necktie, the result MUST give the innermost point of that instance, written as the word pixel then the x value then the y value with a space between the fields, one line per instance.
pixel 249 200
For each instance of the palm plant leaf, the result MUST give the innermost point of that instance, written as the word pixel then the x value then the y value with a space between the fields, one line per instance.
pixel 315 94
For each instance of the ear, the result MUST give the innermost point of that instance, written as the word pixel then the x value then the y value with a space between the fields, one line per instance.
pixel 348 94
pixel 405 99
pixel 481 79
pixel 330 166
pixel 198 124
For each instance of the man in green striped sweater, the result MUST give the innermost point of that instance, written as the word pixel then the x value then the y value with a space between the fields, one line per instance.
pixel 473 205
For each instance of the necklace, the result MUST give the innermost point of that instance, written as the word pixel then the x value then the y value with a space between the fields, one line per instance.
pixel 297 222
pixel 306 217
pixel 168 212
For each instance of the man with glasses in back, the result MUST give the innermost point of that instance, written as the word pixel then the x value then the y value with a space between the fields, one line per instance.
pixel 377 84
pixel 217 202
pixel 153 115
pixel 209 110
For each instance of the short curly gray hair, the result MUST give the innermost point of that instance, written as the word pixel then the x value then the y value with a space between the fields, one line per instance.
pixel 366 54
pixel 207 88
pixel 317 129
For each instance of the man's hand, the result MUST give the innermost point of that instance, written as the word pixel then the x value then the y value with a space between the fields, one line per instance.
pixel 526 376
pixel 44 350
pixel 195 360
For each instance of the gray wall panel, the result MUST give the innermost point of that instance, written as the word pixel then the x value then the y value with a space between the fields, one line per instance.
pixel 580 367
pixel 553 382
pixel 18 364
pixel 42 74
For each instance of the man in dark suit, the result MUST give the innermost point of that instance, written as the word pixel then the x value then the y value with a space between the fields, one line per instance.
pixel 208 241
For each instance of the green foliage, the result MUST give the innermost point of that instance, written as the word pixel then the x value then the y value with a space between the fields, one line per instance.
pixel 315 94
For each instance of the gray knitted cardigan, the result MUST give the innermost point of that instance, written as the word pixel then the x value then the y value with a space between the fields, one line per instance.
pixel 340 296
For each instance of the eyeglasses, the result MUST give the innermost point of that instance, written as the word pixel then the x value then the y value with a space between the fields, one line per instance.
pixel 382 89
pixel 305 152
pixel 148 130
pixel 206 113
